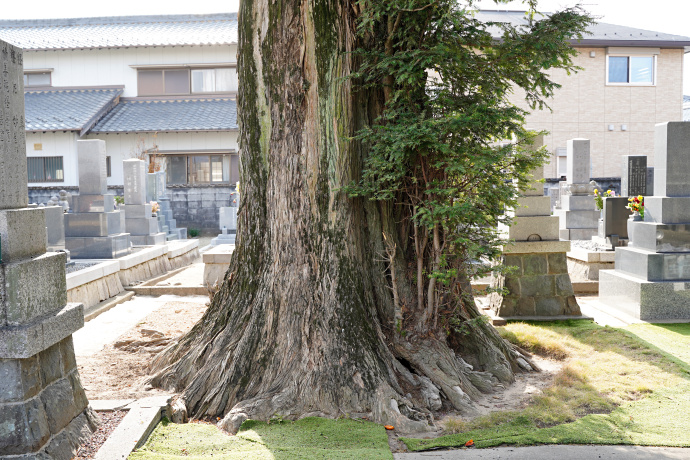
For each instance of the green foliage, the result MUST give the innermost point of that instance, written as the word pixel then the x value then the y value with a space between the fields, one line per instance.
pixel 119 199
pixel 193 232
pixel 448 145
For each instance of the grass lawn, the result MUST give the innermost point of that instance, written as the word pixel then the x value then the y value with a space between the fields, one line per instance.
pixel 309 438
pixel 616 388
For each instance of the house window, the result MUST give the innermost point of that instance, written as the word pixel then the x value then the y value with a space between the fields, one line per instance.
pixel 108 170
pixel 36 79
pixel 45 169
pixel 202 169
pixel 163 82
pixel 214 80
pixel 631 70
pixel 171 82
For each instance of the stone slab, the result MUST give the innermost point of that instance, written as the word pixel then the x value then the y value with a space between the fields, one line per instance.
pixel 667 210
pixel 134 173
pixel 21 342
pixel 93 203
pixel 87 275
pixel 534 247
pixel 578 203
pixel 653 266
pixel 665 238
pixel 577 233
pixel 536 184
pixel 578 219
pixel 177 248
pixel 578 165
pixel 634 175
pixel 224 239
pixel 645 300
pixel 141 226
pixel 592 256
pixel 92 224
pixel 93 178
pixel 219 255
pixel 532 206
pixel 13 175
pixel 105 247
pixel 141 256
pixel 155 239
pixel 22 233
pixel 227 217
pixel 544 227
pixel 136 211
pixel 672 159
pixel 33 288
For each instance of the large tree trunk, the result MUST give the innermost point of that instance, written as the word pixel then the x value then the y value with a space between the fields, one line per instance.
pixel 308 320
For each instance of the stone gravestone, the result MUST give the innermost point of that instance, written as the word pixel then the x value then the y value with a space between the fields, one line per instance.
pixel 94 229
pixel 157 191
pixel 613 226
pixel 55 224
pixel 540 286
pixel 44 412
pixel 634 175
pixel 139 223
pixel 228 226
pixel 651 280
pixel 578 216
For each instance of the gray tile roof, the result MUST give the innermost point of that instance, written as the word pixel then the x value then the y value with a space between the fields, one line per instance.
pixel 67 109
pixel 118 32
pixel 602 34
pixel 169 115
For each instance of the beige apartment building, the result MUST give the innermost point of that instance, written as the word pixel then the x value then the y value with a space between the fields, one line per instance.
pixel 631 80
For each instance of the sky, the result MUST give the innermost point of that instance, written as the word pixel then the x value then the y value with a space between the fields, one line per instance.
pixel 669 16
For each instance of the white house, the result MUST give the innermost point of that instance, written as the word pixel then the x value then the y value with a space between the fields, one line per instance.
pixel 144 84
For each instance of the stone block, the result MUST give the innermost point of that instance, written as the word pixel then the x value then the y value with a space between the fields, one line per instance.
pixel 615 217
pixel 564 286
pixel 578 219
pixel 577 233
pixel 557 263
pixel 136 211
pixel 92 224
pixel 578 164
pixel 634 175
pixel 672 159
pixel 537 285
pixel 549 306
pixel 107 247
pixel 27 341
pixel 134 172
pixel 33 287
pixel 529 247
pixel 58 401
pixel 529 206
pixel 93 178
pixel 93 203
pixel 69 361
pixel 514 261
pixel 667 210
pixel 64 446
pixel 651 266
pixel 526 228
pixel 148 240
pixel 535 264
pixel 11 385
pixel 512 283
pixel 646 300
pixel 50 361
pixel 227 218
pixel 525 306
pixel 55 223
pixel 578 203
pixel 22 233
pixel 142 226
pixel 661 237
pixel 13 187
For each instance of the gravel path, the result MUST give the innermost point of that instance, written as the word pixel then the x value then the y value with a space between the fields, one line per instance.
pixel 109 421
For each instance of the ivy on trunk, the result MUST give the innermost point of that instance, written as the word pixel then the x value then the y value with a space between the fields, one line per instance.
pixel 371 180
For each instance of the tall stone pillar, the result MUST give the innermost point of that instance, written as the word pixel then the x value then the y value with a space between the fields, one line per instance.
pixel 143 228
pixel 651 280
pixel 44 412
pixel 540 284
pixel 578 216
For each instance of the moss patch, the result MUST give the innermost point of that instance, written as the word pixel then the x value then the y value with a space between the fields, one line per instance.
pixel 309 438
pixel 618 387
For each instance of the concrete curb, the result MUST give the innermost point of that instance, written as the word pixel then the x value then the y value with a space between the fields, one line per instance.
pixel 133 431
pixel 150 288
pixel 106 305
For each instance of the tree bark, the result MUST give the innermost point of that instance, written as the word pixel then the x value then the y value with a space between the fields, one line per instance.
pixel 305 320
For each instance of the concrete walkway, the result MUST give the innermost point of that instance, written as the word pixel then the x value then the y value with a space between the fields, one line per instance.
pixel 108 326
pixel 553 453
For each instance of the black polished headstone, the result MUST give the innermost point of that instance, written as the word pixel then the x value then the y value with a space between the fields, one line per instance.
pixel 634 175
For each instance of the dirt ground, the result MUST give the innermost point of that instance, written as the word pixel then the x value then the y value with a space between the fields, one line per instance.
pixel 120 370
